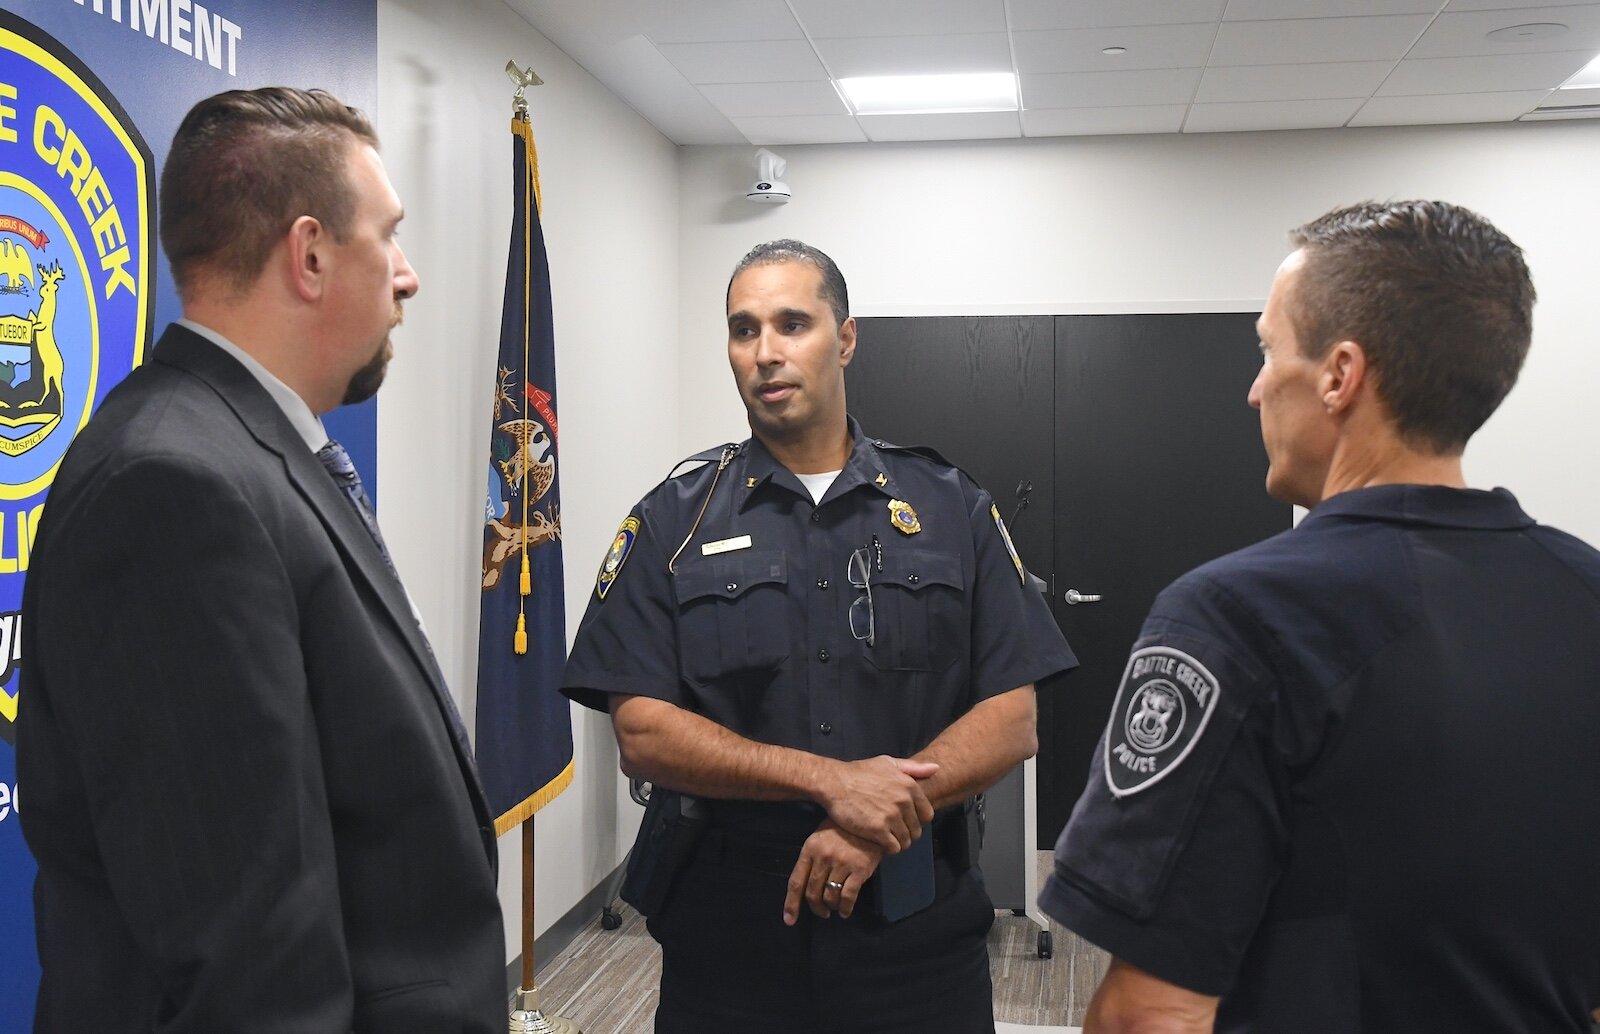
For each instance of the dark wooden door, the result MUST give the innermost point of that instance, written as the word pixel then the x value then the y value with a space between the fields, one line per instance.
pixel 981 390
pixel 1158 468
pixel 1145 461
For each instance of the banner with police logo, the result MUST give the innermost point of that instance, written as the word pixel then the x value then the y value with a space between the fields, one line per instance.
pixel 91 92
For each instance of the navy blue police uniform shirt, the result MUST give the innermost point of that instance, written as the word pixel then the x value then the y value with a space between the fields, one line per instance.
pixel 1349 782
pixel 751 628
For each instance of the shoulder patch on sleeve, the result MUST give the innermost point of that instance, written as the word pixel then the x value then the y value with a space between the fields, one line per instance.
pixel 617 555
pixel 1163 706
pixel 1005 536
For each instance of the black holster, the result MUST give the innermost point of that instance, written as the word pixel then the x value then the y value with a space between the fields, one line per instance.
pixel 668 834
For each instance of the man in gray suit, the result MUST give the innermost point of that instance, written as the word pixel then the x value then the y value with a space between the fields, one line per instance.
pixel 253 804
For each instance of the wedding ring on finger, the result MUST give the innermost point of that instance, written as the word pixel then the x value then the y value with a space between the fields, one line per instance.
pixel 834 885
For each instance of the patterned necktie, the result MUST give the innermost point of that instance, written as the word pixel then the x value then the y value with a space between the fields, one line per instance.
pixel 343 472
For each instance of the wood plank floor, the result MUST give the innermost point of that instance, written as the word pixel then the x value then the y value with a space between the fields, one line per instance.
pixel 606 980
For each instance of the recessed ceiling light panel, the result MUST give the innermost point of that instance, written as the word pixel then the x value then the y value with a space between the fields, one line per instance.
pixel 1587 78
pixel 930 94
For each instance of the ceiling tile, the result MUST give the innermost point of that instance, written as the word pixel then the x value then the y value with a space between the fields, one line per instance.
pixel 776 61
pixel 1254 115
pixel 1079 50
pixel 1155 118
pixel 1468 107
pixel 1489 74
pixel 1263 10
pixel 916 55
pixel 1292 82
pixel 752 100
pixel 1109 89
pixel 801 129
pixel 971 125
pixel 1463 34
pixel 1316 39
pixel 1089 14
pixel 1493 5
pixel 830 19
pixel 718 21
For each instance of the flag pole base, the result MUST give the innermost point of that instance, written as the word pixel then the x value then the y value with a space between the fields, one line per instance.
pixel 527 1019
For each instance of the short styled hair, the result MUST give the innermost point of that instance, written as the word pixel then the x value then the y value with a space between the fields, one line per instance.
pixel 244 165
pixel 772 253
pixel 1440 301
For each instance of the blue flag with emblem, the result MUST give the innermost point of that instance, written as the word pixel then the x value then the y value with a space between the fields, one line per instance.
pixel 524 727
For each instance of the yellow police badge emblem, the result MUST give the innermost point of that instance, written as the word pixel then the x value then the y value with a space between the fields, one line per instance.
pixel 903 517
pixel 617 555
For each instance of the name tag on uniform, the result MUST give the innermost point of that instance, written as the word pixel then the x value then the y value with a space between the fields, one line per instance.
pixel 725 545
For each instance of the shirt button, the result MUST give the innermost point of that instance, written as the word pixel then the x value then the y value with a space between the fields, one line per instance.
pixel 732 586
pixel 825 728
pixel 816 517
pixel 822 583
pixel 913 579
pixel 822 655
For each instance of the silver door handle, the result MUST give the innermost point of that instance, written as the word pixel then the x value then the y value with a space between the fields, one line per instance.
pixel 1074 597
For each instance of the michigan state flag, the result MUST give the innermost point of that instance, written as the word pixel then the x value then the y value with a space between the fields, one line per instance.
pixel 524 728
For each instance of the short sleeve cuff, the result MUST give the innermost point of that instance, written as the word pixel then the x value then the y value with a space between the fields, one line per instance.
pixel 1161 953
pixel 1026 670
pixel 594 689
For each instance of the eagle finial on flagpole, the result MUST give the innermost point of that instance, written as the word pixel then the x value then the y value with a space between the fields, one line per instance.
pixel 522 78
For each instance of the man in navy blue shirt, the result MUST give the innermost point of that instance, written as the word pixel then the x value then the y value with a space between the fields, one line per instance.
pixel 1349 780
pixel 831 642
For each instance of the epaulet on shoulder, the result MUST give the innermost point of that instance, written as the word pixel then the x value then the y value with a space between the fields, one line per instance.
pixel 713 454
pixel 925 451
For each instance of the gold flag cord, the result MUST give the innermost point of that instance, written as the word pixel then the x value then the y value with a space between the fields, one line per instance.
pixel 532 205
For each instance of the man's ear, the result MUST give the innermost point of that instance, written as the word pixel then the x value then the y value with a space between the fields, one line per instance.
pixel 306 247
pixel 1344 372
pixel 847 341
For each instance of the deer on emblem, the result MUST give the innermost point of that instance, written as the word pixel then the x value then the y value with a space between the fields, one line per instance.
pixel 44 338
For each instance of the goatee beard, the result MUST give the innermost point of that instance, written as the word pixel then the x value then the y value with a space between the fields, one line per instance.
pixel 369 378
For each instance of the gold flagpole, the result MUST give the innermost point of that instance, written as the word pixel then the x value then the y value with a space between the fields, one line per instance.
pixel 526 1018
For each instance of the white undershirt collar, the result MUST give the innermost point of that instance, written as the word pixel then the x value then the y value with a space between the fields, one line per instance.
pixel 818 484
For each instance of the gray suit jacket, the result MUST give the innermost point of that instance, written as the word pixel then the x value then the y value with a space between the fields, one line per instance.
pixel 248 807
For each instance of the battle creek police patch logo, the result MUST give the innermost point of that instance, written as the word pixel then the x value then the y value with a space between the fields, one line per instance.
pixel 77 271
pixel 1163 705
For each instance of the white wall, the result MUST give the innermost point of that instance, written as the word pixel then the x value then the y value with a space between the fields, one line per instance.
pixel 610 220
pixel 1165 223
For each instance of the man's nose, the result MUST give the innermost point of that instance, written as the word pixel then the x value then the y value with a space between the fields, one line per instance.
pixel 406 283
pixel 769 352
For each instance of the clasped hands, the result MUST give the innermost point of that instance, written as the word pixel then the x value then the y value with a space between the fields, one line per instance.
pixel 875 807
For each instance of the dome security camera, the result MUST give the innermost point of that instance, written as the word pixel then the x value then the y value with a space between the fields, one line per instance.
pixel 769 188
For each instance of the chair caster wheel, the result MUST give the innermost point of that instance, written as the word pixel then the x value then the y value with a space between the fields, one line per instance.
pixel 610 919
pixel 1047 948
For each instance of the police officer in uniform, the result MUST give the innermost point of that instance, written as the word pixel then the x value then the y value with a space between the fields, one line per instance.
pixel 1349 781
pixel 827 641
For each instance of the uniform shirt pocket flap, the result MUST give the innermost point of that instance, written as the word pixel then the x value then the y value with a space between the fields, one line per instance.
pixel 729 577
pixel 916 569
